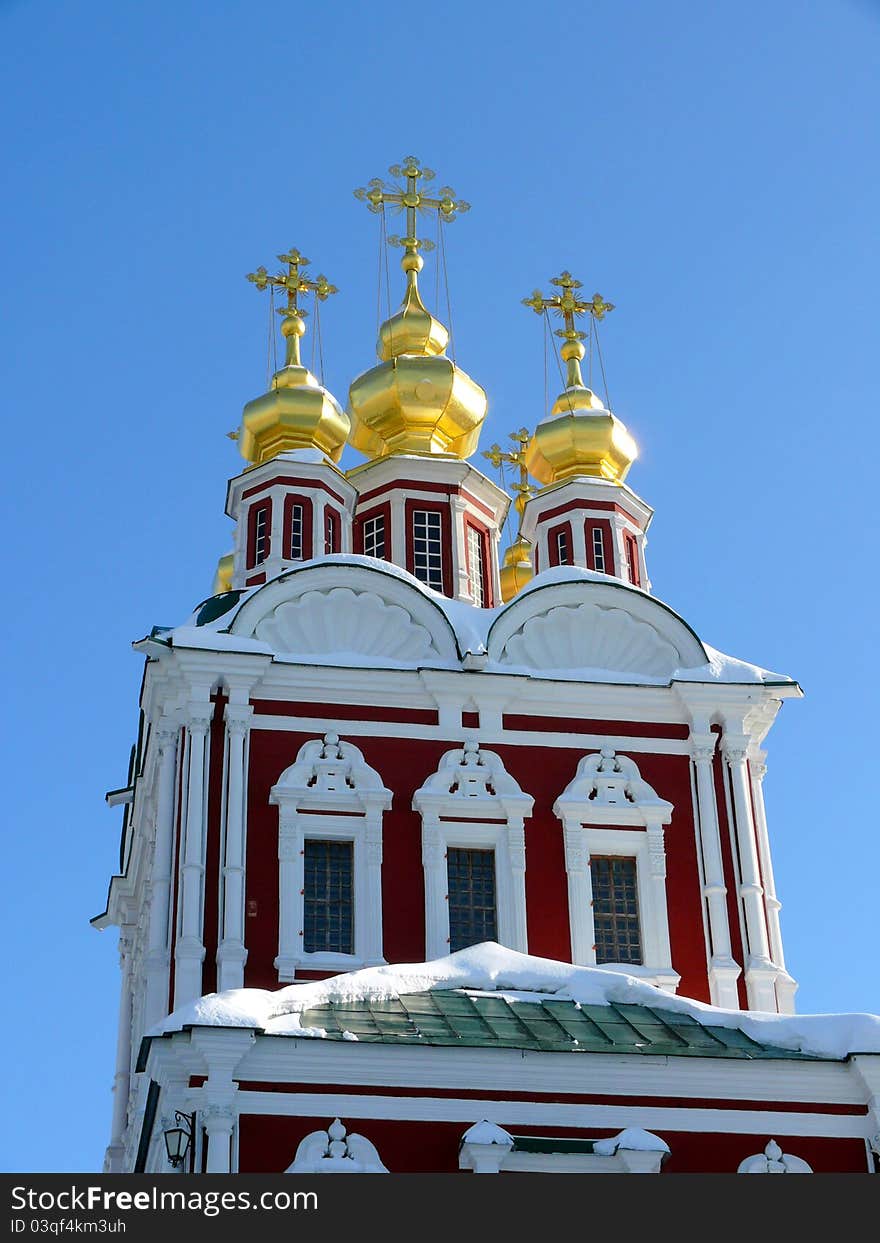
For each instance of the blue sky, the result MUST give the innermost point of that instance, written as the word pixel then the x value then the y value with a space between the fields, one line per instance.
pixel 712 169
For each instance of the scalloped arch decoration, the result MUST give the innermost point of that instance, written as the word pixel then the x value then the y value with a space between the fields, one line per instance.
pixel 587 636
pixel 346 621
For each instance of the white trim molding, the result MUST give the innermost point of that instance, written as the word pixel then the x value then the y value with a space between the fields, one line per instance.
pixel 602 810
pixel 330 776
pixel 471 801
pixel 488 1149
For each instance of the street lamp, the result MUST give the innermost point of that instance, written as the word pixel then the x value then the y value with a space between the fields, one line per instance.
pixel 178 1138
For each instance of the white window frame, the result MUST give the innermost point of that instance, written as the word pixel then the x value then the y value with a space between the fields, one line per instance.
pixel 372 527
pixel 329 777
pixel 607 809
pixel 476 566
pixel 434 577
pixel 470 788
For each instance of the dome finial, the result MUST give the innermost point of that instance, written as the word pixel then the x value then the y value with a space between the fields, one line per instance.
pixel 297 412
pixel 517 569
pixel 580 437
pixel 294 283
pixel 417 400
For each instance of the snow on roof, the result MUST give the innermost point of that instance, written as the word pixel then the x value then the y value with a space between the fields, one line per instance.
pixel 490 967
pixel 471 626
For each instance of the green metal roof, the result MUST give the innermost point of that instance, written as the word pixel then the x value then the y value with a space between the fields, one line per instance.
pixel 458 1018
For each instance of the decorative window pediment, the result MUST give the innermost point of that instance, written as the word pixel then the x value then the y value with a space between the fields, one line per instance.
pixel 602 810
pixel 472 803
pixel 330 795
pixel 774 1161
pixel 336 1151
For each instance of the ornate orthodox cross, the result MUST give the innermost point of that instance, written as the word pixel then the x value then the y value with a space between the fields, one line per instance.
pixel 515 457
pixel 568 305
pixel 411 197
pixel 294 283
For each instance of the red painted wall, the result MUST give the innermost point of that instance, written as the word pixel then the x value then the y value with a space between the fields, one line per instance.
pixel 404 764
pixel 268 1144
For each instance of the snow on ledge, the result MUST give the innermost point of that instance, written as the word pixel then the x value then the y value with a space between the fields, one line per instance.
pixel 492 968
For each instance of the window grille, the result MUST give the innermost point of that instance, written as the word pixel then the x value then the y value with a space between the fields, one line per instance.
pixel 374 536
pixel 261 535
pixel 328 898
pixel 598 550
pixel 563 555
pixel 616 910
pixel 329 532
pixel 428 548
pixel 295 552
pixel 472 910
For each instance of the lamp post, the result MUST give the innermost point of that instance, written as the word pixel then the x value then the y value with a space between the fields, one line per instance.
pixel 178 1138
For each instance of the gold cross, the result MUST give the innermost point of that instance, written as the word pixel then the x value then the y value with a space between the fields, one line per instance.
pixel 412 198
pixel 517 458
pixel 568 305
pixel 294 283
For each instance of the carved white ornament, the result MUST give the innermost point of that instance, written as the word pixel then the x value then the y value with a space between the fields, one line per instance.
pixel 345 621
pixel 335 1151
pixel 586 636
pixel 774 1161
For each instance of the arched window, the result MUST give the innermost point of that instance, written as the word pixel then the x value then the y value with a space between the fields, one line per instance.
pixel 330 804
pixel 615 858
pixel 473 852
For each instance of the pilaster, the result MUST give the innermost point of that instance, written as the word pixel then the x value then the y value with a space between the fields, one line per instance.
pixel 190 950
pixel 157 959
pixel 231 953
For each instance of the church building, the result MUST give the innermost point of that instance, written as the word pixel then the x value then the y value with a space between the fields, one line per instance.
pixel 442 856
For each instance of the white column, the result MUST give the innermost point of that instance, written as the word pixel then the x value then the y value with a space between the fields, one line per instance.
pixel 231 954
pixel 190 951
pixel 157 958
pixel 760 976
pixel 218 1121
pixel 459 586
pixel 436 885
pixel 516 853
pixel 786 987
pixel 621 565
pixel 122 1078
pixel 369 931
pixel 290 884
pixel 578 539
pixel 723 970
pixel 494 568
pixel 580 894
pixel 398 530
pixel 657 881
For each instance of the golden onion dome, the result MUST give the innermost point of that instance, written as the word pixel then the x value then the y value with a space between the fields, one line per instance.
pixel 517 569
pixel 297 412
pixel 579 436
pixel 416 400
pixel 223 576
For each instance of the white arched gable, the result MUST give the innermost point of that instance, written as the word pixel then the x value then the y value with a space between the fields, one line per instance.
pixel 348 614
pixel 593 626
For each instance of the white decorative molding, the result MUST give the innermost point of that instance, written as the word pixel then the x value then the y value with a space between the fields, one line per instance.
pixel 336 1151
pixel 330 776
pixel 350 613
pixel 593 625
pixel 471 801
pixel 603 804
pixel 774 1161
